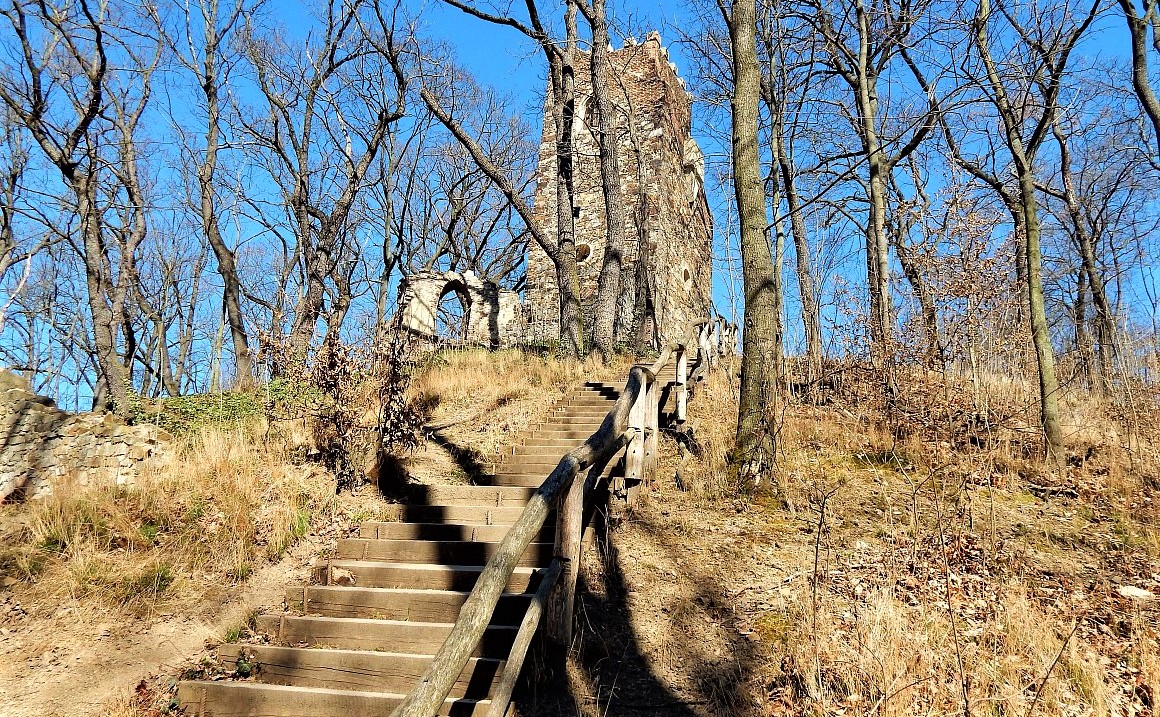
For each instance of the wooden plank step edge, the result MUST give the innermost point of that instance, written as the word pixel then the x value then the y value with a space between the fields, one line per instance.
pixel 253 699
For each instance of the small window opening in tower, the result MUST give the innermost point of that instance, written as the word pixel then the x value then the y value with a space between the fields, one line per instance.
pixel 687 278
pixel 583 251
pixel 453 313
pixel 591 116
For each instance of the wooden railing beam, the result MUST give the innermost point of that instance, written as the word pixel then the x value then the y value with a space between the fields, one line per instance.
pixel 569 535
pixel 502 695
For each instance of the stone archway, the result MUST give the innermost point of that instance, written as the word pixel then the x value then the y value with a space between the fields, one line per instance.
pixel 453 312
pixel 492 314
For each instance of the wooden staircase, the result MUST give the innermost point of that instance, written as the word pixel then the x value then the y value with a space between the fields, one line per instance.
pixel 357 639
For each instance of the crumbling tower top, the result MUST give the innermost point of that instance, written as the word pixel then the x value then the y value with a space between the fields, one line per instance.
pixel 662 181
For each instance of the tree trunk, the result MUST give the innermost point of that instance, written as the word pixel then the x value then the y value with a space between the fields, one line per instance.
pixel 1028 213
pixel 1105 316
pixel 877 248
pixel 1138 31
pixel 1083 339
pixel 208 209
pixel 1040 335
pixel 608 288
pixel 755 444
pixel 564 115
pixel 811 319
pixel 113 376
pixel 773 192
pixel 935 348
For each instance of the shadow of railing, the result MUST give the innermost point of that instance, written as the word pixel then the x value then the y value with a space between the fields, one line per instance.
pixel 611 674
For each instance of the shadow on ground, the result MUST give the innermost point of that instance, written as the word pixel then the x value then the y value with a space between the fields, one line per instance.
pixel 611 673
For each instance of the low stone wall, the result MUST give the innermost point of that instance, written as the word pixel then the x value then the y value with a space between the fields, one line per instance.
pixel 41 445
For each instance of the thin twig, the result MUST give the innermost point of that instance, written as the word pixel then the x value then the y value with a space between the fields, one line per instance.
pixel 1043 683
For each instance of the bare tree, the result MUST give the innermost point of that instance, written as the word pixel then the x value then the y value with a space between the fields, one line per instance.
pixel 1138 25
pixel 1047 38
pixel 16 252
pixel 560 105
pixel 755 441
pixel 58 92
pixel 203 48
pixel 608 289
pixel 860 44
pixel 327 111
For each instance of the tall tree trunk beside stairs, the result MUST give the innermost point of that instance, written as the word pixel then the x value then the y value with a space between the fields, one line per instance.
pixel 562 87
pixel 563 73
pixel 755 441
pixel 608 287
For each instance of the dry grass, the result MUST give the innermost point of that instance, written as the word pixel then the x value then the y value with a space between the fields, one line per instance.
pixel 712 420
pixel 881 656
pixel 226 503
pixel 902 573
pixel 478 400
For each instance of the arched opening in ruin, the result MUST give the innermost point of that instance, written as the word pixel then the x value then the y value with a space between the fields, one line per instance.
pixel 583 251
pixel 453 313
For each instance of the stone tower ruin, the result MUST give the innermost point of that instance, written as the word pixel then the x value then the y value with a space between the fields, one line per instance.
pixel 662 181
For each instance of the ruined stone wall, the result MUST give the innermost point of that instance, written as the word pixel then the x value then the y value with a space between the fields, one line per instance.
pixel 41 445
pixel 494 315
pixel 662 181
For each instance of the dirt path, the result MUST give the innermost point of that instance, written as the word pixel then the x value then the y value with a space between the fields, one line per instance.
pixel 65 665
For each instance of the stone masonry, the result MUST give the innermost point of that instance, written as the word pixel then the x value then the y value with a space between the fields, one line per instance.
pixel 662 180
pixel 42 445
pixel 493 313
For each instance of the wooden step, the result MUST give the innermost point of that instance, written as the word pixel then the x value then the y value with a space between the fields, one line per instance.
pixel 458 514
pixel 398 603
pixel 444 531
pixel 349 633
pixel 549 431
pixel 574 423
pixel 474 495
pixel 578 412
pixel 253 699
pixel 360 670
pixel 527 480
pixel 586 402
pixel 546 457
pixel 563 444
pixel 440 552
pixel 419 576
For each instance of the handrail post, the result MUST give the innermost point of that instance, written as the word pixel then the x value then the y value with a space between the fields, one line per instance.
pixel 569 534
pixel 682 387
pixel 634 453
pixel 652 418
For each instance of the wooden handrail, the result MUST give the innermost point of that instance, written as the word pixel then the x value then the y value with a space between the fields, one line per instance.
pixel 515 660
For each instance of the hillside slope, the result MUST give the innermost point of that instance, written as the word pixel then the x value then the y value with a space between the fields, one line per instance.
pixel 878 577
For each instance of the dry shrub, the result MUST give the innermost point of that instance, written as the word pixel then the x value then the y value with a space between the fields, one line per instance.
pixel 352 395
pixel 227 503
pixel 712 427
pixel 881 656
